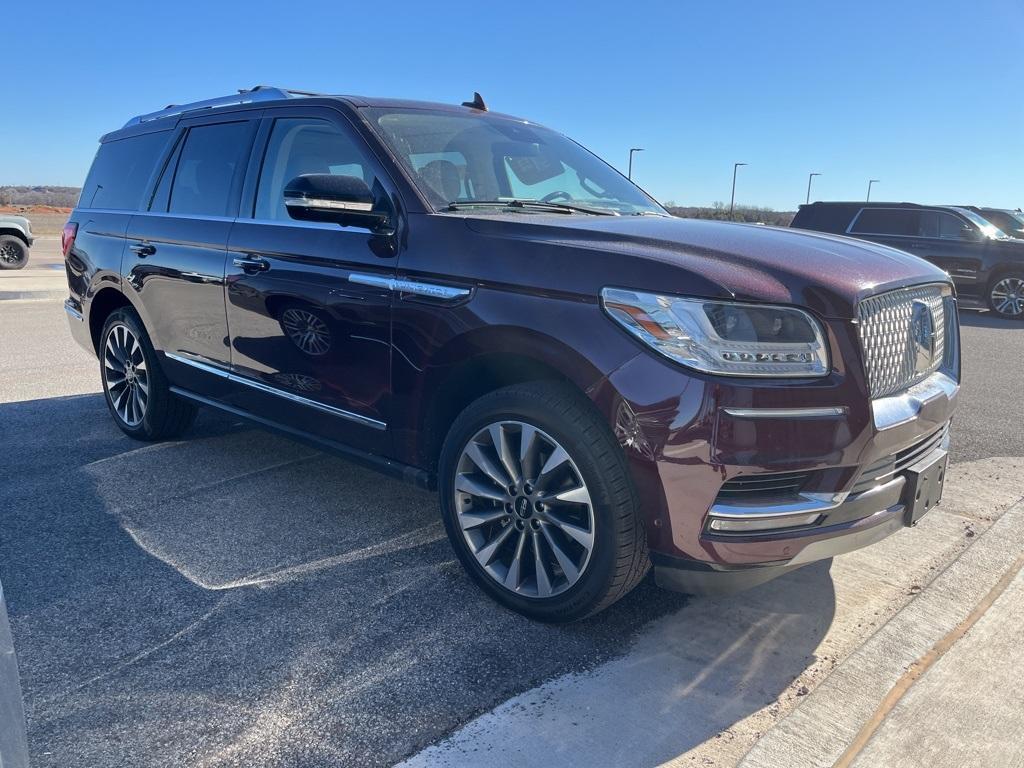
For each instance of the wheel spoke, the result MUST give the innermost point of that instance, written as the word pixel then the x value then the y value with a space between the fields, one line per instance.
pixel 485 554
pixel 564 561
pixel 485 463
pixel 529 452
pixel 500 440
pixel 579 495
pixel 557 458
pixel 543 580
pixel 474 518
pixel 581 535
pixel 474 487
pixel 514 575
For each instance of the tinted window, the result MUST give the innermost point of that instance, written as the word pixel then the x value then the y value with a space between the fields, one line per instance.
pixel 121 170
pixel 162 194
pixel 205 179
pixel 298 146
pixel 886 221
pixel 940 224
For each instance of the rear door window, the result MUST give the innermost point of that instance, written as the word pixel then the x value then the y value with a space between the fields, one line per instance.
pixel 121 171
pixel 207 179
pixel 886 221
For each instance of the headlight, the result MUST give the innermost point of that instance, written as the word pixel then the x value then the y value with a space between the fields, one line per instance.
pixel 723 337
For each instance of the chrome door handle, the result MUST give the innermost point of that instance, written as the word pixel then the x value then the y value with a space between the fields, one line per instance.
pixel 251 264
pixel 143 249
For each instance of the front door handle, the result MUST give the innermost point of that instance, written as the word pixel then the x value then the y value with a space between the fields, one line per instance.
pixel 142 249
pixel 251 264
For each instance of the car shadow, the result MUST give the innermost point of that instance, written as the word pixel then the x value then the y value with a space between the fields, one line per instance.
pixel 986 319
pixel 236 597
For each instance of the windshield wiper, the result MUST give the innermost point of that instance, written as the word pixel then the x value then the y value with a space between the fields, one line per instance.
pixel 537 204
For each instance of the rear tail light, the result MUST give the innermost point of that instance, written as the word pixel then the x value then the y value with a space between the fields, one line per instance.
pixel 67 237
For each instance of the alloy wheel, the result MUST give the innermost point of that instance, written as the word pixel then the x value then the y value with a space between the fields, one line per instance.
pixel 307 331
pixel 10 253
pixel 1008 296
pixel 524 509
pixel 126 375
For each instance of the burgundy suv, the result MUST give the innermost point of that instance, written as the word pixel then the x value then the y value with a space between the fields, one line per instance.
pixel 476 303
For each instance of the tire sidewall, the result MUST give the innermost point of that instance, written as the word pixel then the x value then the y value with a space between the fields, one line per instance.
pixel 1018 274
pixel 579 599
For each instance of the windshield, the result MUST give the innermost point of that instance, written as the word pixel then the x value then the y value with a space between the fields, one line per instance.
pixel 987 227
pixel 481 158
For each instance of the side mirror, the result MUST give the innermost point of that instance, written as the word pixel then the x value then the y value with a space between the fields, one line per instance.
pixel 970 234
pixel 344 200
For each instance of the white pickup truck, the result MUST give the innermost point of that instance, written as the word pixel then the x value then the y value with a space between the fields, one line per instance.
pixel 15 240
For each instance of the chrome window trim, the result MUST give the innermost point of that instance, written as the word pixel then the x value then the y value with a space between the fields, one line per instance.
pixel 429 290
pixel 788 413
pixel 245 380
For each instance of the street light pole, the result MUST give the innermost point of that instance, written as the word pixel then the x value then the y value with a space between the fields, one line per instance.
pixel 732 199
pixel 870 182
pixel 810 178
pixel 629 175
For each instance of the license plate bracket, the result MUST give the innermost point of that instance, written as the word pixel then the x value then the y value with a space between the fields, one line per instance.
pixel 924 484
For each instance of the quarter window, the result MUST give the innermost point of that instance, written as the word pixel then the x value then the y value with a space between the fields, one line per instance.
pixel 207 172
pixel 121 170
pixel 299 146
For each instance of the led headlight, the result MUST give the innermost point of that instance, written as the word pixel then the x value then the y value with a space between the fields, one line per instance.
pixel 723 337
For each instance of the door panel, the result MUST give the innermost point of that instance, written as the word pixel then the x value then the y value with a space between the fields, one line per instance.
pixel 301 326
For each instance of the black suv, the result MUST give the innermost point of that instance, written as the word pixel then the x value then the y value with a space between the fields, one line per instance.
pixel 1010 221
pixel 986 265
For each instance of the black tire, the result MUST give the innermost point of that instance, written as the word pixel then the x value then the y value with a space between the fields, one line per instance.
pixel 164 415
pixel 13 252
pixel 1009 285
pixel 618 559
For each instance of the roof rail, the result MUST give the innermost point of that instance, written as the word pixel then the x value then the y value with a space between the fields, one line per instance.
pixel 244 96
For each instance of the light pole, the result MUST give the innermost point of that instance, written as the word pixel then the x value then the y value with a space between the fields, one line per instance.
pixel 870 182
pixel 732 200
pixel 629 175
pixel 810 178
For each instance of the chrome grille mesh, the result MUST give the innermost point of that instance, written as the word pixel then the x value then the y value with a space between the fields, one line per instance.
pixel 890 351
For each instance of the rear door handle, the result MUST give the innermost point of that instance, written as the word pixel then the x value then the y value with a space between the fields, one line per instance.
pixel 251 264
pixel 143 249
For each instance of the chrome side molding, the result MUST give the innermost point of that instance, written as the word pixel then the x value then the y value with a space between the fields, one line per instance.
pixel 788 413
pixel 415 287
pixel 366 421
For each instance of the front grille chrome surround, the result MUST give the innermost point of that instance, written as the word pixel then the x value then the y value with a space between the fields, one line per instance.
pixel 900 346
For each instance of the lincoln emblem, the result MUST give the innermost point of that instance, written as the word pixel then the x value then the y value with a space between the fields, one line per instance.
pixel 922 336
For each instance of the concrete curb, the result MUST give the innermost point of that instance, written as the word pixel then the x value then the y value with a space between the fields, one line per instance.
pixel 819 731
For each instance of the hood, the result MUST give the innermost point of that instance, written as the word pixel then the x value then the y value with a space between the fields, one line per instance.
pixel 20 221
pixel 829 274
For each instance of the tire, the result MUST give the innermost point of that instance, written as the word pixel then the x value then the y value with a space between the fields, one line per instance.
pixel 13 252
pixel 478 511
pixel 135 388
pixel 1005 295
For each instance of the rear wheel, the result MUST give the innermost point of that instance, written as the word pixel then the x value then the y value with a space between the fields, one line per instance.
pixel 136 390
pixel 13 252
pixel 1006 295
pixel 538 503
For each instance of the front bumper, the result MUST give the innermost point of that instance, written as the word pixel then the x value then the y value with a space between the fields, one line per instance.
pixel 688 436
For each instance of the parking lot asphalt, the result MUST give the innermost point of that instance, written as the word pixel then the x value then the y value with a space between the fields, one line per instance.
pixel 237 599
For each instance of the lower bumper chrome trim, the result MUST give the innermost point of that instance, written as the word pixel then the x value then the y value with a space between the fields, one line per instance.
pixel 905 406
pixel 788 413
pixel 72 311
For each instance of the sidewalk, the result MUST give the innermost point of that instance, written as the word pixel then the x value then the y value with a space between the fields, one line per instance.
pixel 940 684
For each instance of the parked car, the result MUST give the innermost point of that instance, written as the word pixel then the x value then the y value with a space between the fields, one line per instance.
pixel 986 265
pixel 477 304
pixel 1011 222
pixel 15 240
pixel 13 743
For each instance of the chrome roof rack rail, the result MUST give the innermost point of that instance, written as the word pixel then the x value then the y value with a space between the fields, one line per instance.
pixel 244 96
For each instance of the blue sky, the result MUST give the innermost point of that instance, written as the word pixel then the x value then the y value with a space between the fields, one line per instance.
pixel 927 96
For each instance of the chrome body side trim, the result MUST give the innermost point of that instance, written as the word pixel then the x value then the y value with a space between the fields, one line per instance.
pixel 788 413
pixel 245 380
pixel 905 406
pixel 72 311
pixel 428 290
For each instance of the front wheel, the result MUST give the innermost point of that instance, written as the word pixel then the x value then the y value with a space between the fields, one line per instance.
pixel 538 503
pixel 1006 295
pixel 13 252
pixel 137 392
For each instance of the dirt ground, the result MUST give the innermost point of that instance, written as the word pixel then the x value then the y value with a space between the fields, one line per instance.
pixel 46 219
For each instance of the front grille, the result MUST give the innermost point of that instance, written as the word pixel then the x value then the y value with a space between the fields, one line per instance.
pixel 883 470
pixel 756 486
pixel 898 347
